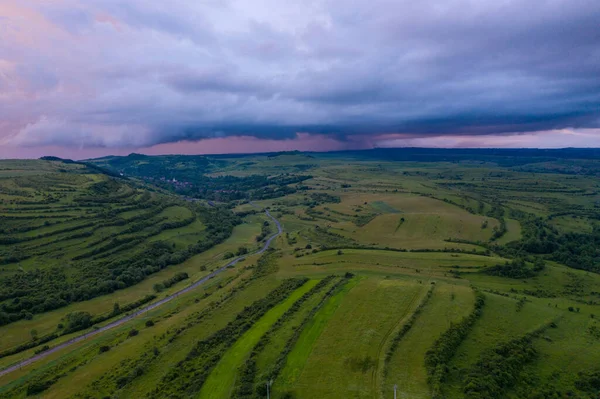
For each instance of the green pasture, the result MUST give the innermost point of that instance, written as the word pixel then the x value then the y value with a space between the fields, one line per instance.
pixel 351 343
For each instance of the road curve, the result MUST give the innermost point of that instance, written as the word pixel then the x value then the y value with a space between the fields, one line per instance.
pixel 143 310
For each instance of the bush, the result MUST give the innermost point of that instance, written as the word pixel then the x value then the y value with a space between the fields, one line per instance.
pixel 516 269
pixel 589 382
pixel 158 287
pixel 133 332
pixel 37 387
pixel 77 321
pixel 103 348
pixel 149 323
pixel 175 279
pixel 42 349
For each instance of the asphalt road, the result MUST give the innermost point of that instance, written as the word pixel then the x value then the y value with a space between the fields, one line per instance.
pixel 143 310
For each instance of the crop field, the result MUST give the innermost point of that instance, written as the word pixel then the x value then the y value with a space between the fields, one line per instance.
pixel 393 270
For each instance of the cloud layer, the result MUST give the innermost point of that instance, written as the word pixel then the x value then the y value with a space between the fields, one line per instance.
pixel 132 74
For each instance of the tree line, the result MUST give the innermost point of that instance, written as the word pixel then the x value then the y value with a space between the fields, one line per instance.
pixel 40 290
pixel 438 357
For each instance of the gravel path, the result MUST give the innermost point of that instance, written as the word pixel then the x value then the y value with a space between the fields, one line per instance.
pixel 143 310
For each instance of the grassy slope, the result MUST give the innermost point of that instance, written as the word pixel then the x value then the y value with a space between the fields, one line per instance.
pixel 427 221
pixel 297 358
pixel 386 262
pixel 278 340
pixel 513 232
pixel 565 351
pixel 222 378
pixel 88 377
pixel 172 353
pixel 352 342
pixel 449 303
pixel 500 322
pixel 45 323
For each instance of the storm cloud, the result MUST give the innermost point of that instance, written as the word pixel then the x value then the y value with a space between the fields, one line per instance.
pixel 133 73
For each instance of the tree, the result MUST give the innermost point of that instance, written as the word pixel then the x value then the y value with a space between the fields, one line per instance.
pixel 158 287
pixel 78 321
pixel 538 264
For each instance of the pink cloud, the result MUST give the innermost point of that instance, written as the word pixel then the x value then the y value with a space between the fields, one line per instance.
pixel 249 144
pixel 221 145
pixel 542 139
pixel 318 142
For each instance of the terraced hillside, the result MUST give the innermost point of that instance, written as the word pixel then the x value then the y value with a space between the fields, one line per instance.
pixel 70 234
pixel 434 279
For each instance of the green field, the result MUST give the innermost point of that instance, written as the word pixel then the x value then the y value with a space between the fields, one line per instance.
pixel 351 344
pixel 298 357
pixel 221 380
pixel 449 303
pixel 382 262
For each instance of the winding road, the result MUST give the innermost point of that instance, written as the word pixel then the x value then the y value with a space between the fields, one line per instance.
pixel 145 309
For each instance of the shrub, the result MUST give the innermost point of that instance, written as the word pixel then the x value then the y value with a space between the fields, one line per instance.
pixel 42 349
pixel 158 287
pixel 37 387
pixel 77 321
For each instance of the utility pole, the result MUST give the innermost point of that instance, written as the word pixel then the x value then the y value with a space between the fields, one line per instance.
pixel 269 383
pixel 395 388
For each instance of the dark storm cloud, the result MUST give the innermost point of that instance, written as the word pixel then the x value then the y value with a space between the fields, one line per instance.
pixel 137 73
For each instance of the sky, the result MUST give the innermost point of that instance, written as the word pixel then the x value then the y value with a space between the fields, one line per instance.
pixel 87 78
